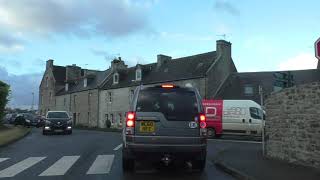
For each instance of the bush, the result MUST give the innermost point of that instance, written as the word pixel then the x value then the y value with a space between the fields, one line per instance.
pixel 4 92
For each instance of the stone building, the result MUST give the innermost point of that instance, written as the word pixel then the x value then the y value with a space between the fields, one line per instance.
pixel 93 97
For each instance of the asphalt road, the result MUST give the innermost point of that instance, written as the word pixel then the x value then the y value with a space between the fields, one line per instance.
pixel 88 155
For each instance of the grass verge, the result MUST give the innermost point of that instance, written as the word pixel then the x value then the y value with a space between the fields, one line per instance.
pixel 9 135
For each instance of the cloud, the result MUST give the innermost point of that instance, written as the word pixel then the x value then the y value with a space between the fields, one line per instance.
pixel 112 18
pixel 301 61
pixel 21 87
pixel 185 37
pixel 10 43
pixel 226 6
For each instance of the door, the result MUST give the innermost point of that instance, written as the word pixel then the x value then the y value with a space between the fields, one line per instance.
pixel 75 118
pixel 234 120
pixel 255 120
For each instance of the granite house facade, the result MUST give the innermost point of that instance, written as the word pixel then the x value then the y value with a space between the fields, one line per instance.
pixel 94 97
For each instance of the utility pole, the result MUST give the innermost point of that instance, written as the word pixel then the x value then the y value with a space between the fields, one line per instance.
pixel 262 121
pixel 32 104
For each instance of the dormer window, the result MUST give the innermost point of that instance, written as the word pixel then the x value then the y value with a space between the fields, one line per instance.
pixel 85 82
pixel 67 87
pixel 138 74
pixel 115 78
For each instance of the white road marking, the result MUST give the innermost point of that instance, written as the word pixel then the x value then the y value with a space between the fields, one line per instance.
pixel 102 165
pixel 118 147
pixel 3 159
pixel 20 166
pixel 61 166
pixel 235 141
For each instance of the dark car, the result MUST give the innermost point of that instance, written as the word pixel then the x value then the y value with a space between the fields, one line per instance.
pixel 165 124
pixel 57 121
pixel 26 119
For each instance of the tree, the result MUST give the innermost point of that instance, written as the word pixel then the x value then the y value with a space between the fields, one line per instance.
pixel 4 93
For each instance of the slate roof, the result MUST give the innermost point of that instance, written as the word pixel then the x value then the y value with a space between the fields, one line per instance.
pixel 94 79
pixel 233 88
pixel 59 73
pixel 176 69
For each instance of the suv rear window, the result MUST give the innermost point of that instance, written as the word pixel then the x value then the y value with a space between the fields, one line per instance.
pixel 175 104
pixel 57 115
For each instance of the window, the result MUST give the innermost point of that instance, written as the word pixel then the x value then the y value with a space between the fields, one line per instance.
pixel 85 82
pixel 138 74
pixel 248 90
pixel 116 78
pixel 112 120
pixel 67 87
pixel 120 118
pixel 110 97
pixel 256 113
pixel 131 94
pixel 50 97
pixel 175 104
pixel 47 83
pixel 74 101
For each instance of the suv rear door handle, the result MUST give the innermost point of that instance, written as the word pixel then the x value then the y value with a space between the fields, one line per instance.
pixel 250 121
pixel 243 120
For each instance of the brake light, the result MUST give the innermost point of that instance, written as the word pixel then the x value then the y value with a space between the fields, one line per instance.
pixel 203 123
pixel 202 118
pixel 130 119
pixel 167 86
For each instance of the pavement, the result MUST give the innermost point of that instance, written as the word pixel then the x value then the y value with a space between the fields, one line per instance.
pixel 244 160
pixel 88 155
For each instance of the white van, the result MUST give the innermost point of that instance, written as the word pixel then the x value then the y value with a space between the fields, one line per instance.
pixel 242 117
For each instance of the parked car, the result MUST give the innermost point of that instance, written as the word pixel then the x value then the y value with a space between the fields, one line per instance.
pixel 40 120
pixel 57 121
pixel 235 117
pixel 21 120
pixel 165 124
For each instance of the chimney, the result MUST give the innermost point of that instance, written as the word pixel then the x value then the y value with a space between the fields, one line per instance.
pixel 49 64
pixel 162 59
pixel 118 64
pixel 73 72
pixel 224 49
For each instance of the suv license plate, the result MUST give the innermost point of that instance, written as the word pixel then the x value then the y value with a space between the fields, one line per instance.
pixel 147 126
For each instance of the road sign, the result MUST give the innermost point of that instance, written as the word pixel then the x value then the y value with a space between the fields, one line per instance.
pixel 317 48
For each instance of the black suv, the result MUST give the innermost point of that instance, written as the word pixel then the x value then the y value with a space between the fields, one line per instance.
pixel 57 121
pixel 165 124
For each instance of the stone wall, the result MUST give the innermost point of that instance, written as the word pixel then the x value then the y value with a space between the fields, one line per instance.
pixel 293 125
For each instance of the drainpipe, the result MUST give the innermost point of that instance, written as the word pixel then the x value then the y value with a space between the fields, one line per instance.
pixel 98 111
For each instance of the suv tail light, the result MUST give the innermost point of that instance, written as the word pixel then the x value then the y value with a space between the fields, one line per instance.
pixel 203 125
pixel 130 123
pixel 130 120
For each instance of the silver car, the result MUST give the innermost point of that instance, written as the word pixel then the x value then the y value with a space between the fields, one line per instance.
pixel 165 123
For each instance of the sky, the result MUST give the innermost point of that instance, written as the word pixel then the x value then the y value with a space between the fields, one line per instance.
pixel 265 35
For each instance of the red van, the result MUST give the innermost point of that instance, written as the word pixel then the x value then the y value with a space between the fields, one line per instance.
pixel 213 110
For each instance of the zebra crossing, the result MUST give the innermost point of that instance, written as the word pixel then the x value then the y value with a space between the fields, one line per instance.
pixel 101 165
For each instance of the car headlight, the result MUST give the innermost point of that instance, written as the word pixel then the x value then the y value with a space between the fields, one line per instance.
pixel 27 120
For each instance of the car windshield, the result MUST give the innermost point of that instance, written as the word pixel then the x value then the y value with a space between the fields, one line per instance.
pixel 57 115
pixel 175 104
pixel 256 113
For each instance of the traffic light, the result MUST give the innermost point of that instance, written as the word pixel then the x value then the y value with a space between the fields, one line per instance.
pixel 283 79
